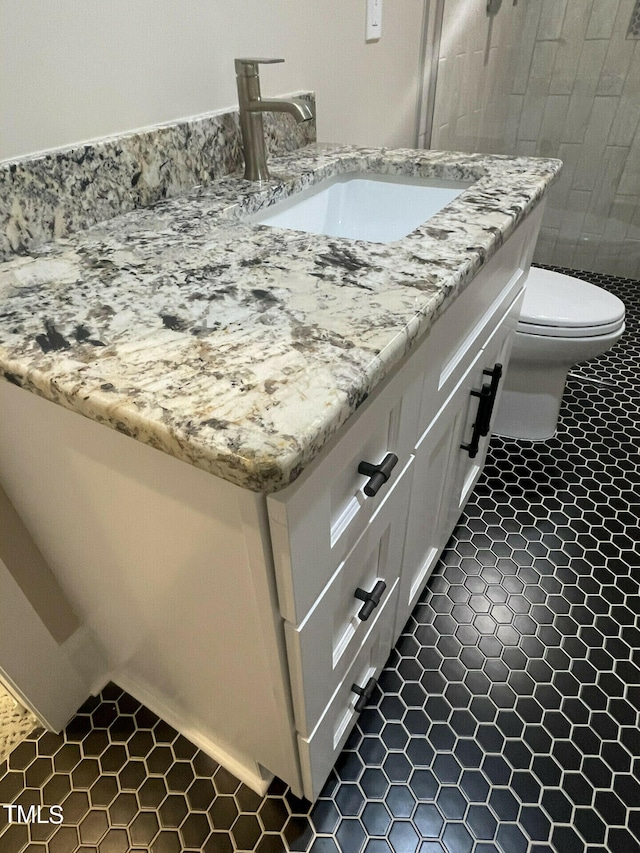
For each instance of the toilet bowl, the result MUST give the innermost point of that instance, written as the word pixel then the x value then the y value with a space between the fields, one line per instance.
pixel 563 321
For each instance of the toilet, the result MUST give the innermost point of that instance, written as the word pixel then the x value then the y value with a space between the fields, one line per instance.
pixel 563 321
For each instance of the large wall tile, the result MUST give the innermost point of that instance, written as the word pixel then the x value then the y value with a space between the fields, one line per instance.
pixel 604 191
pixel 602 19
pixel 573 92
pixel 630 180
pixel 565 70
pixel 551 18
pixel 594 143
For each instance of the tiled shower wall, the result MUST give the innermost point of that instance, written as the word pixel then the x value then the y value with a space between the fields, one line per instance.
pixel 553 78
pixel 476 68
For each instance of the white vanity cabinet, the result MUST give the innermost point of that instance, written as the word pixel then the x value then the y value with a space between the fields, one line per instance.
pixel 332 542
pixel 257 625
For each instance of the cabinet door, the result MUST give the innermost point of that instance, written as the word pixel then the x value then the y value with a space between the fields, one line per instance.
pixel 483 385
pixel 429 522
pixel 445 473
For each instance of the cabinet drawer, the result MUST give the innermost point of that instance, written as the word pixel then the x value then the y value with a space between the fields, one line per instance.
pixel 323 647
pixel 316 521
pixel 318 753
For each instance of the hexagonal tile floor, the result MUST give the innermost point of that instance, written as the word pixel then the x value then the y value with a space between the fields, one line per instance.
pixel 506 720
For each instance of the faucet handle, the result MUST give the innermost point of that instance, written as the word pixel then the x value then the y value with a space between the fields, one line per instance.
pixel 249 67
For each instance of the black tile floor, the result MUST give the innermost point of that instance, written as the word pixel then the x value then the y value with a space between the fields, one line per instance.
pixel 506 720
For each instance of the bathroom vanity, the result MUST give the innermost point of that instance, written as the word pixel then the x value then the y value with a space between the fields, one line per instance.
pixel 297 421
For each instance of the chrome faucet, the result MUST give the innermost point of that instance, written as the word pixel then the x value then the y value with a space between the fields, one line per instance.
pixel 252 105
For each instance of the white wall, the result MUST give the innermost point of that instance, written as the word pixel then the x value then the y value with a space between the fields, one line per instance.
pixel 72 70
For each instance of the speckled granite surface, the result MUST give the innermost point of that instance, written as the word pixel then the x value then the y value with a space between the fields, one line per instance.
pixel 53 194
pixel 240 348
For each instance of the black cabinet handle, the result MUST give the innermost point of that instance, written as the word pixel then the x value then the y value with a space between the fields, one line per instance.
pixel 378 474
pixel 365 693
pixel 496 375
pixel 371 599
pixel 473 446
pixel 487 396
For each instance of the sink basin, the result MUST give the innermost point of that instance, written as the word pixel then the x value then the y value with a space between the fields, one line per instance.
pixel 360 206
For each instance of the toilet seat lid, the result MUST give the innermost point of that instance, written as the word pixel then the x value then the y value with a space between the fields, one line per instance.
pixel 563 306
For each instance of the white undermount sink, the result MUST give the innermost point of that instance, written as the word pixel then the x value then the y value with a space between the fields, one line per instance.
pixel 361 206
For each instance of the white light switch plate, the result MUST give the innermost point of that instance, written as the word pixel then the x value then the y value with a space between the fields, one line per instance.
pixel 374 20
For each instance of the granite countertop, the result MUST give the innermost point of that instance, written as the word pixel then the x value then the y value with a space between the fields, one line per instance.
pixel 241 348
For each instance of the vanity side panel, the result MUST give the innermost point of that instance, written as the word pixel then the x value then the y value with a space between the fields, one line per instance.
pixel 36 580
pixel 166 565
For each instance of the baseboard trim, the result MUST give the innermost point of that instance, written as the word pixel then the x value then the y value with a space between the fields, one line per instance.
pixel 253 775
pixel 87 658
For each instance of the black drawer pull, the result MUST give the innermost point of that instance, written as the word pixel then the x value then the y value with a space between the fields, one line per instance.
pixel 371 599
pixel 378 474
pixel 365 693
pixel 487 397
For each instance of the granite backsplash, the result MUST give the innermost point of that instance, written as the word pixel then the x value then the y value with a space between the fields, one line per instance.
pixel 49 195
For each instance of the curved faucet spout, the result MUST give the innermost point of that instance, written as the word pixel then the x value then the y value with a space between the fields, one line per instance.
pixel 252 105
pixel 300 110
